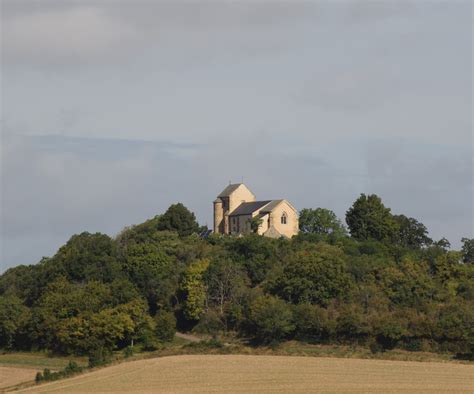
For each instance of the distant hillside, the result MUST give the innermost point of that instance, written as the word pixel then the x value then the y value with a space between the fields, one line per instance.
pixel 386 285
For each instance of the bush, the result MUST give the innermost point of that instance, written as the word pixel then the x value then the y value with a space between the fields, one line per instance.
pixel 39 377
pixel 311 322
pixel 376 347
pixel 128 352
pixel 98 357
pixel 271 318
pixel 71 369
pixel 165 326
pixel 149 340
pixel 210 323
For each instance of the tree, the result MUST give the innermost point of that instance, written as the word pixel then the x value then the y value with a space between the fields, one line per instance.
pixel 467 250
pixel 316 276
pixel 271 318
pixel 195 289
pixel 368 218
pixel 13 319
pixel 443 243
pixel 311 321
pixel 255 224
pixel 88 257
pixel 165 323
pixel 411 233
pixel 178 218
pixel 225 282
pixel 320 221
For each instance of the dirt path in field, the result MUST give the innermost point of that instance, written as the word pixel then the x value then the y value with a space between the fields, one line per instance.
pixel 260 374
pixel 11 376
pixel 188 337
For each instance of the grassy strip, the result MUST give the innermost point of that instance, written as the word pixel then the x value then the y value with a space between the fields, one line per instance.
pixel 38 360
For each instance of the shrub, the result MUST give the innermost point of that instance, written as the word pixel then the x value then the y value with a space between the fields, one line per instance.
pixel 165 326
pixel 98 357
pixel 39 377
pixel 128 352
pixel 271 318
pixel 210 323
pixel 47 375
pixel 310 321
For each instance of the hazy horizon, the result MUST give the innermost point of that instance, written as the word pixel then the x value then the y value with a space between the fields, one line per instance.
pixel 112 111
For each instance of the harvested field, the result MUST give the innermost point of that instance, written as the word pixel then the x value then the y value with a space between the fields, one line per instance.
pixel 11 376
pixel 239 373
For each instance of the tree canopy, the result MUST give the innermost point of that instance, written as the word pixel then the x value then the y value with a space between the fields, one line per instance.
pixel 385 285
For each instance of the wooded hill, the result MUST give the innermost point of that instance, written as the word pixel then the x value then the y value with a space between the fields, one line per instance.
pixel 383 283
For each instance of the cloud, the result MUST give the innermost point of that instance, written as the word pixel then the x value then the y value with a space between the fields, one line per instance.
pixel 74 34
pixel 151 103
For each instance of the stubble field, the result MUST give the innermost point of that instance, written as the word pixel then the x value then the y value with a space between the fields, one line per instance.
pixel 241 373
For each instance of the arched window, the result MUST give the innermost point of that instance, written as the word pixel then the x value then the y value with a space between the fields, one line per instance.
pixel 283 218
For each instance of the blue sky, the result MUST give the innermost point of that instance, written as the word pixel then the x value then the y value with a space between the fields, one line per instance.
pixel 113 110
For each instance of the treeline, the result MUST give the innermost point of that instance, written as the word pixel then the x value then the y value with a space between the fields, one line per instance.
pixel 381 282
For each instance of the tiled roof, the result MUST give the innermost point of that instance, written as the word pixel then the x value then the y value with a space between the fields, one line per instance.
pixel 270 207
pixel 229 190
pixel 246 208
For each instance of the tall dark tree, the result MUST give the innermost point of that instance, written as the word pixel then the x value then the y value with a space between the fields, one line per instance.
pixel 368 218
pixel 180 219
pixel 320 221
pixel 411 233
pixel 468 250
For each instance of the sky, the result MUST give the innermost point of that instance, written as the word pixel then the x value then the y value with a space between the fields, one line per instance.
pixel 113 110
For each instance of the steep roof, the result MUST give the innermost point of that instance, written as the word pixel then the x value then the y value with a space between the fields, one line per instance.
pixel 270 207
pixel 274 203
pixel 246 208
pixel 229 190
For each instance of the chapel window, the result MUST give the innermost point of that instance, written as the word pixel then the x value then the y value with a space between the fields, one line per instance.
pixel 283 218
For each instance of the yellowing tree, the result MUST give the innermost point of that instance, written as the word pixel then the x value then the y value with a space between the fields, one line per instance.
pixel 195 289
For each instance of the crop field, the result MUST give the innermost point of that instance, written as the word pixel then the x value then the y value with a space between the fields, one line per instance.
pixel 242 373
pixel 16 368
pixel 10 376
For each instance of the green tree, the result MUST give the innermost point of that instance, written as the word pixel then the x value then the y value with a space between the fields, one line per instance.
pixel 311 322
pixel 180 219
pixel 320 221
pixel 271 318
pixel 14 317
pixel 411 233
pixel 255 224
pixel 88 257
pixel 312 276
pixel 165 323
pixel 368 218
pixel 467 250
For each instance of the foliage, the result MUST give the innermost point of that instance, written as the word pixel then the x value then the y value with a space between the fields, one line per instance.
pixel 14 317
pixel 368 218
pixel 411 233
pixel 316 275
pixel 271 319
pixel 387 285
pixel 255 224
pixel 71 369
pixel 320 221
pixel 467 250
pixel 195 289
pixel 165 326
pixel 178 218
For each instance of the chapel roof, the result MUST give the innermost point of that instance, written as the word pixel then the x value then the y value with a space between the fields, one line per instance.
pixel 271 206
pixel 246 208
pixel 229 190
